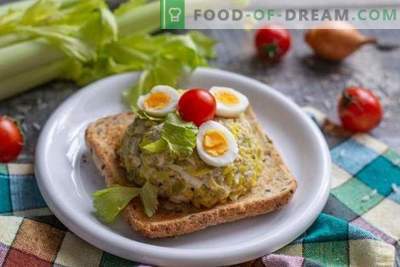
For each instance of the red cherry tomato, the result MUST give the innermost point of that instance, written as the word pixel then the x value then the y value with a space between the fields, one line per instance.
pixel 197 105
pixel 272 42
pixel 359 109
pixel 11 140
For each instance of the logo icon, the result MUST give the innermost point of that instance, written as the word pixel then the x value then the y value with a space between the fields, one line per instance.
pixel 172 14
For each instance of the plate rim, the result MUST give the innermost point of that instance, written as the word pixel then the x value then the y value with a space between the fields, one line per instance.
pixel 126 247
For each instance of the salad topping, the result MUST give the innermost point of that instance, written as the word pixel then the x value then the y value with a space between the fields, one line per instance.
pixel 188 155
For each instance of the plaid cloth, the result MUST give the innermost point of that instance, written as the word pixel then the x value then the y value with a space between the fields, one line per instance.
pixel 360 225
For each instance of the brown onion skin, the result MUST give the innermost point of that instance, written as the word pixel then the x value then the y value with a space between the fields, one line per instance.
pixel 334 41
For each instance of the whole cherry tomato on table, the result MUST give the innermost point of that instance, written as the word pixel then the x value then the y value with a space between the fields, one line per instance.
pixel 359 109
pixel 197 105
pixel 11 139
pixel 272 42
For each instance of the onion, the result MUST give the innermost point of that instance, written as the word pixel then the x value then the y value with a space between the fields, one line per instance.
pixel 335 41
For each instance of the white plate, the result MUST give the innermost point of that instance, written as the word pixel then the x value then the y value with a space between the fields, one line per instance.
pixel 67 182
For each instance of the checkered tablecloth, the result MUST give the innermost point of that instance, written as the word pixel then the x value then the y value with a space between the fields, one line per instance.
pixel 360 225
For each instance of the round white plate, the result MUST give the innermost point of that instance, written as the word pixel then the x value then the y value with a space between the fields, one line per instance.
pixel 67 179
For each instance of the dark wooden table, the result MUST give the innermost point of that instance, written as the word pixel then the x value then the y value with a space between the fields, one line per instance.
pixel 303 78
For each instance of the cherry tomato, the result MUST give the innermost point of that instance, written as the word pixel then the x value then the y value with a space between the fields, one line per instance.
pixel 359 109
pixel 272 42
pixel 197 105
pixel 11 139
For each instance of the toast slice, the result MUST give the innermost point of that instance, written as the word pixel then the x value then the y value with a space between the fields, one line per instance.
pixel 274 189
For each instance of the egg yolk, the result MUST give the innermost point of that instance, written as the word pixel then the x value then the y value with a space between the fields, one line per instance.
pixel 157 100
pixel 228 98
pixel 215 143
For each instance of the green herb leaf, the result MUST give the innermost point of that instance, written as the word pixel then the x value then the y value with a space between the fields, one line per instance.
pixel 204 44
pixel 176 135
pixel 148 195
pixel 144 115
pixel 170 57
pixel 109 202
pixel 62 37
pixel 39 11
pixel 155 147
pixel 180 135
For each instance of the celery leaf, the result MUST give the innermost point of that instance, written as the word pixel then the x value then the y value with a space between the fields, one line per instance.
pixel 177 136
pixel 148 195
pixel 109 202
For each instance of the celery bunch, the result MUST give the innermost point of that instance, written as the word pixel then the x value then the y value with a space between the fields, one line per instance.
pixel 83 40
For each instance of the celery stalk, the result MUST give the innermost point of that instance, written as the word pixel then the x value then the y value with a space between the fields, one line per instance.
pixel 35 54
pixel 27 56
pixel 11 39
pixel 143 19
pixel 15 5
pixel 27 3
pixel 27 80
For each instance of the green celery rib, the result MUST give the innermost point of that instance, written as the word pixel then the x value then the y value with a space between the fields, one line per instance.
pixel 34 55
pixel 12 38
pixel 27 3
pixel 142 19
pixel 15 6
pixel 26 80
pixel 26 56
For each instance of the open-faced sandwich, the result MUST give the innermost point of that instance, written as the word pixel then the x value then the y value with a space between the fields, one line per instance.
pixel 186 160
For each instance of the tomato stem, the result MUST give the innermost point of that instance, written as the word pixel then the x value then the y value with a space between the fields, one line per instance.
pixel 347 99
pixel 270 50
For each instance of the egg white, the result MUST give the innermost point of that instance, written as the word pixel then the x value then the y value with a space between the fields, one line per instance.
pixel 171 106
pixel 230 111
pixel 217 161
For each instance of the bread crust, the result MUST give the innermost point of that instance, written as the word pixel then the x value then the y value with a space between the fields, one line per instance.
pixel 274 189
